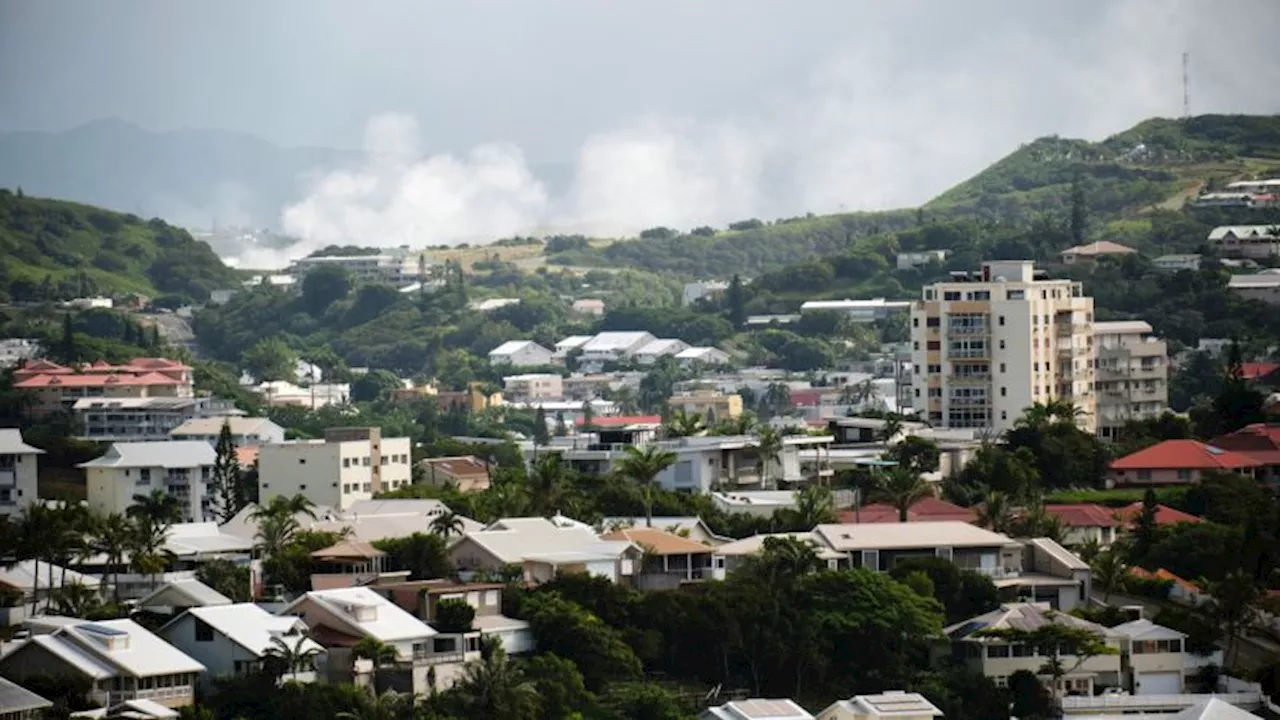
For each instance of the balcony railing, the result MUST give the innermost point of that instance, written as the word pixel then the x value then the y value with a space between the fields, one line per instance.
pixel 1156 702
pixel 969 329
pixel 178 692
pixel 426 657
pixel 971 377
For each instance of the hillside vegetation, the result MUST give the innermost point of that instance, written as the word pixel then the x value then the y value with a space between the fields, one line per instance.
pixel 56 250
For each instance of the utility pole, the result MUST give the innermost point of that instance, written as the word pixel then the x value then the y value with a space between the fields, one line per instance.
pixel 1186 85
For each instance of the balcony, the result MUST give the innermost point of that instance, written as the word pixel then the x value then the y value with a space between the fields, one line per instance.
pixel 1155 703
pixel 749 475
pixel 969 330
pixel 976 377
pixel 969 354
pixel 426 657
pixel 159 695
pixel 820 469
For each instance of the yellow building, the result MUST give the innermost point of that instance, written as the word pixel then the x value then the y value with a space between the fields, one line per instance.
pixel 709 404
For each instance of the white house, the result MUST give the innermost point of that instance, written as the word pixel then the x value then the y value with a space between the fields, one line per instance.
pixel 1173 263
pixel 181 594
pixel 544 549
pixel 235 639
pixel 859 310
pixel 19 467
pixel 182 469
pixel 661 347
pixel 589 306
pixel 245 431
pixel 702 356
pixel 568 345
pixel 120 659
pixel 889 704
pixel 757 709
pixel 17 350
pixel 1154 659
pixel 614 346
pixel 520 353
pixel 1264 286
pixel 908 260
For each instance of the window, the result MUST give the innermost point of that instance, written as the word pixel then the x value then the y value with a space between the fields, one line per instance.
pixel 346 487
pixel 951 295
pixel 1020 650
pixel 929 295
pixel 935 392
pixel 915 345
pixel 1184 474
pixel 998 651
pixel 933 321
pixel 1001 321
pixel 1002 367
pixel 204 633
pixel 366 461
pixel 1017 294
pixel 366 487
pixel 346 462
pixel 1004 414
pixel 144 476
pixel 917 392
pixel 934 345
pixel 302 487
pixel 384 460
pixel 934 369
pixel 982 295
pixel 915 322
pixel 1144 474
pixel 1004 391
pixel 302 461
pixel 1001 344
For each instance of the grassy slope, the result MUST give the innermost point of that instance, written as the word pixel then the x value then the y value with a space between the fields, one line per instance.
pixel 118 253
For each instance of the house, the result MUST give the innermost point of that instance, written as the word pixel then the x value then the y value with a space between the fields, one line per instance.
pixel 141 419
pixel 494 303
pixel 1177 462
pixel 1088 253
pixel 568 345
pixel 691 527
pixel 1086 522
pixel 19 703
pixel 1213 709
pixel 176 596
pixel 281 393
pixel 532 386
pixel 696 291
pixel 182 469
pixel 927 509
pixel 589 306
pixel 1154 660
pixel 668 559
pixel 662 347
pixel 119 659
pixel 346 466
pixel 756 709
pixel 346 563
pixel 16 351
pixel 245 431
pixel 32 581
pixel 468 473
pixel 1165 515
pixel 1257 242
pixel 543 549
pixel 1260 441
pixel 367 520
pixel 1180 590
pixel 711 405
pixel 1174 263
pixel 341 617
pixel 390 268
pixel 236 639
pixel 872 310
pixel 1264 286
pixel 131 709
pixel 889 704
pixel 909 260
pixel 972 645
pixel 702 356
pixel 55 387
pixel 520 353
pixel 614 346
pixel 731 555
pixel 19 470
pixel 423 597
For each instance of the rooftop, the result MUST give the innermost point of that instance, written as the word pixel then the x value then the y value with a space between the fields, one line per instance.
pixel 662 346
pixel 1084 515
pixel 514 540
pixel 1184 454
pixel 16 699
pixel 1147 630
pixel 929 509
pixel 759 709
pixel 21 575
pixel 11 443
pixel 365 611
pixel 615 341
pixel 655 541
pixel 1122 327
pixel 890 704
pixel 755 544
pixel 1101 247
pixel 107 648
pixel 186 593
pixel 249 626
pixel 511 347
pixel 162 454
pixel 1019 616
pixel 1214 709
pixel 213 426
pixel 893 536
pixel 1165 515
pixel 1239 231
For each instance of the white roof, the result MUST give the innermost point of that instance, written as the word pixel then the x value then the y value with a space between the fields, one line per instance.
pixel 743 498
pixel 571 342
pixel 1214 709
pixel 1023 616
pixel 888 704
pixel 135 709
pixel 759 709
pixel 161 454
pixel 871 304
pixel 11 443
pixel 368 520
pixel 389 622
pixel 662 346
pixel 188 592
pixel 754 544
pixel 203 538
pixel 143 654
pixel 498 623
pixel 893 536
pixel 495 303
pixel 251 627
pixel 513 540
pixel 1257 280
pixel 612 341
pixel 213 426
pixel 697 353
pixel 1122 327
pixel 1220 232
pixel 511 347
pixel 21 575
pixel 1147 630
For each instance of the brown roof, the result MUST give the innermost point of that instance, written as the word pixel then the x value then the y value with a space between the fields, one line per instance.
pixel 349 550
pixel 658 542
pixel 461 466
pixel 438 586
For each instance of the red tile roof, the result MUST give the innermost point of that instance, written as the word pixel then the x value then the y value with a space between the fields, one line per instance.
pixel 103 380
pixel 1184 454
pixel 1165 515
pixel 928 509
pixel 1084 515
pixel 1257 370
pixel 622 420
pixel 1260 441
pixel 1163 574
pixel 459 466
pixel 800 398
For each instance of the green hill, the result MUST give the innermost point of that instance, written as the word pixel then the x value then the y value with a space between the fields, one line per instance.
pixel 57 250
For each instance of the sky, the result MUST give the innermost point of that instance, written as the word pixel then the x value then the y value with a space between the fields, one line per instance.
pixel 665 112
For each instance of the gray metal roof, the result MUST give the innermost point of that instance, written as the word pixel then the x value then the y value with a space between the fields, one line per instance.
pixel 163 454
pixel 15 699
pixel 11 443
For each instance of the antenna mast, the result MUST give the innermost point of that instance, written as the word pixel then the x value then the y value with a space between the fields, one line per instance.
pixel 1186 85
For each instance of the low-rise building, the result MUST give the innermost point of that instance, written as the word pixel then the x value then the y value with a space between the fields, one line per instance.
pixel 894 704
pixel 1086 523
pixel 423 597
pixel 179 595
pixel 1257 242
pixel 1089 253
pixel 367 520
pixel 660 348
pixel 668 560
pixel 926 509
pixel 16 351
pixel 19 473
pixel 1176 262
pixel 756 709
pixel 711 405
pixel 491 304
pixel 568 345
pixel 543 549
pixel 695 291
pixel 348 465
pixel 181 469
pixel 1177 462
pixel 589 306
pixel 520 353
pixel 1260 441
pixel 19 703
pixel 691 527
pixel 468 473
pixel 234 640
pixel 532 386
pixel 392 268
pixel 245 431
pixel 142 419
pixel 1263 286
pixel 1154 660
pixel 908 260
pixel 614 346
pixel 55 388
pixel 859 310
pixel 702 357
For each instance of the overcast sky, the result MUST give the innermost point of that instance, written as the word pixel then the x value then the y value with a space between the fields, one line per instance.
pixel 673 111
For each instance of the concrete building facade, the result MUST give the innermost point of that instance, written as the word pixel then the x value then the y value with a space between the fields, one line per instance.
pixel 18 473
pixel 1132 367
pixel 347 466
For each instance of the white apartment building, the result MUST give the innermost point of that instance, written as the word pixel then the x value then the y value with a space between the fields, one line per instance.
pixel 520 353
pixel 19 468
pixel 695 291
pixel 986 345
pixel 245 431
pixel 650 353
pixel 1176 262
pixel 532 386
pixel 391 269
pixel 142 419
pixel 347 466
pixel 182 469
pixel 1132 368
pixel 14 351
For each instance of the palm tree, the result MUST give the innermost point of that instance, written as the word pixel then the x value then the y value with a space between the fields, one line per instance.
pixel 494 687
pixel 994 513
pixel 1109 572
pixel 684 424
pixel 38 523
pixel 447 523
pixel 158 509
pixel 642 466
pixel 278 521
pixel 1035 417
pixel 1036 521
pixel 68 542
pixel 744 424
pixel 547 484
pixel 814 506
pixel 111 536
pixel 892 426
pixel 294 658
pixel 768 444
pixel 901 489
pixel 1234 605
pixel 777 398
pixel 377 652
pixel 76 600
pixel 147 552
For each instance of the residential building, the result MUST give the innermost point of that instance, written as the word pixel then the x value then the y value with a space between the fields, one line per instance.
pixel 19 703
pixel 468 473
pixel 1132 374
pixel 756 709
pixel 142 419
pixel 894 704
pixel 367 520
pixel 662 347
pixel 532 386
pixel 988 345
pixel 179 595
pixel 998 658
pixel 668 560
pixel 583 387
pixel 389 269
pixel 245 431
pixel 711 405
pixel 1263 286
pixel 1165 515
pixel 1257 242
pixel 691 527
pixel 865 311
pixel 731 555
pixel 1260 441
pixel 1153 659
pixel 16 351
pixel 927 509
pixel 1174 263
pixel 543 548
pixel 491 304
pixel 348 465
pixel 1177 462
pixel 763 321
pixel 236 639
pixel 1089 253
pixel 1180 590
pixel 908 260
pixel 340 618
pixel 1084 523
pixel 520 353
pixel 702 356
pixel 19 473
pixel 589 306
pixel 614 346
pixel 55 387
pixel 119 659
pixel 423 597
pixel 695 291
pixel 568 345
pixel 32 583
pixel 474 399
pixel 182 469
pixel 277 393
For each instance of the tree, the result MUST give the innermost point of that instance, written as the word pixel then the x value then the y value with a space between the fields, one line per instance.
pixel 1109 572
pixel 684 424
pixel 377 652
pixel 233 581
pixel 1145 527
pixel 494 687
pixel 1235 605
pixel 323 287
pixel 271 359
pixel 1064 647
pixel 900 488
pixel 919 455
pixel 374 385
pixel 568 630
pixel 588 416
pixel 224 486
pixel 963 593
pixel 994 513
pixel 891 428
pixel 548 483
pixel 447 523
pixel 777 398
pixel 736 299
pixel 112 536
pixel 1079 210
pixel 454 616
pixel 561 691
pixel 541 433
pixel 814 506
pixel 768 445
pixel 1001 469
pixel 294 657
pixel 158 509
pixel 642 466
pixel 70 353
